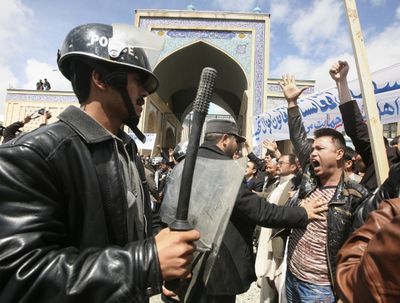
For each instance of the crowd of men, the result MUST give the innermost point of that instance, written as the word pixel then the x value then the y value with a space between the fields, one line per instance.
pixel 79 206
pixel 300 264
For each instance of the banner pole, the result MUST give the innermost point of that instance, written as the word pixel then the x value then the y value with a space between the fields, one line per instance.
pixel 375 129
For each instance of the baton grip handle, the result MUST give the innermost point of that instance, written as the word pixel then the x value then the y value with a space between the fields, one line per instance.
pixel 180 225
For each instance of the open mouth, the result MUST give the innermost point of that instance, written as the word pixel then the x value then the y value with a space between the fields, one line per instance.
pixel 315 163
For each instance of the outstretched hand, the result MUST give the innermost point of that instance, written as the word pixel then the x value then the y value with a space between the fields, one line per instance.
pixel 339 70
pixel 28 118
pixel 47 115
pixel 290 89
pixel 270 145
pixel 315 208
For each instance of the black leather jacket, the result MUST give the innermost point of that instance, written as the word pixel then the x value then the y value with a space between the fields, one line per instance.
pixel 63 218
pixel 351 202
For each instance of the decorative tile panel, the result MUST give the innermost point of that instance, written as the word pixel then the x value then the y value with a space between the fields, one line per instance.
pixel 41 97
pixel 235 37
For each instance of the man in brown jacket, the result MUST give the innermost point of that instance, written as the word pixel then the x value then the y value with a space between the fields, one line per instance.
pixel 368 268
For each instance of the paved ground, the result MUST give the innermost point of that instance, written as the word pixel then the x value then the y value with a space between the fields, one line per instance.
pixel 251 296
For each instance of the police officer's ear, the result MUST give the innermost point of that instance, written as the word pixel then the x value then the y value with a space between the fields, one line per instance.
pixel 98 81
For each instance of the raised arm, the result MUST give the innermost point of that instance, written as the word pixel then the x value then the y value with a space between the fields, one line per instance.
pixel 252 157
pixel 10 131
pixel 338 73
pixel 353 122
pixel 272 147
pixel 298 134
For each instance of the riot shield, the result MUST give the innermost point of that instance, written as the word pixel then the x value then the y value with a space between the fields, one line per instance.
pixel 214 190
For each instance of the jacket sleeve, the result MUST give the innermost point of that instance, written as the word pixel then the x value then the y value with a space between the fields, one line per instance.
pixel 259 162
pixel 357 130
pixel 258 185
pixel 388 190
pixel 367 264
pixel 36 262
pixel 298 136
pixel 256 210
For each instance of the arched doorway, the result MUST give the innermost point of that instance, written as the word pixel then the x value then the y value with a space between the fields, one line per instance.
pixel 179 75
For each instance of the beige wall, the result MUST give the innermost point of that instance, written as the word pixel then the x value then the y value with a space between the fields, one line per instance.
pixel 20 103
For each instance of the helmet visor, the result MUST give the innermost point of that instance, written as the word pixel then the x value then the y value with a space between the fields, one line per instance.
pixel 143 45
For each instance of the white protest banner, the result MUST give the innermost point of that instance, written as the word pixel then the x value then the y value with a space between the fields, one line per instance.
pixel 322 109
pixel 150 140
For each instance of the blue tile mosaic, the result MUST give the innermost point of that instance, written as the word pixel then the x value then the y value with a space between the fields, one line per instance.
pixel 235 38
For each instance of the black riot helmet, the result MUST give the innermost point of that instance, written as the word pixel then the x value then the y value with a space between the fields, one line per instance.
pixel 114 47
pixel 113 51
pixel 179 152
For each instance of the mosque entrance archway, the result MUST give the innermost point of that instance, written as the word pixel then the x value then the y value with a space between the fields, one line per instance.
pixel 179 75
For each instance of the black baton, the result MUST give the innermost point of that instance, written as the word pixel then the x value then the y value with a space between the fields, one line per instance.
pixel 200 111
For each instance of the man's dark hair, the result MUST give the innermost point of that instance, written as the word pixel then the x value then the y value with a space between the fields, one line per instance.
pixel 395 141
pixel 349 155
pixel 1 130
pixel 213 137
pixel 337 137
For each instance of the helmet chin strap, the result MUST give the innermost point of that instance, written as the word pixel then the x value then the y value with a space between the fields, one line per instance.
pixel 119 80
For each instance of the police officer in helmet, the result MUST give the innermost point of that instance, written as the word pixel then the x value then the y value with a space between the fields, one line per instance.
pixel 74 205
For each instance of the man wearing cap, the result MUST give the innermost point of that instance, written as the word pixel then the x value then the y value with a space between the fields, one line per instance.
pixel 75 216
pixel 233 271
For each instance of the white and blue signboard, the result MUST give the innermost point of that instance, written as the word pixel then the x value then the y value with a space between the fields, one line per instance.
pixel 322 109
